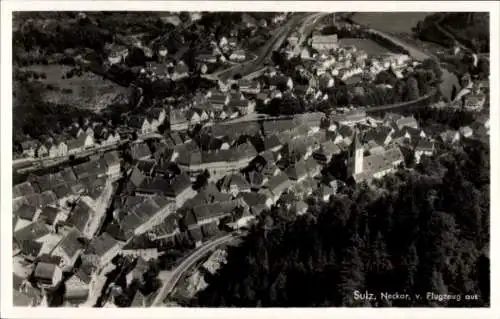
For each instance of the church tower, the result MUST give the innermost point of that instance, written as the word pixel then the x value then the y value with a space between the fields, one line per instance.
pixel 355 157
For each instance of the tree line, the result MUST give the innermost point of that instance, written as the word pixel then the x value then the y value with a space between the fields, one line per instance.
pixel 419 231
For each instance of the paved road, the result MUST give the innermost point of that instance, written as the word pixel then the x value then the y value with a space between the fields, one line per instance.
pixel 186 265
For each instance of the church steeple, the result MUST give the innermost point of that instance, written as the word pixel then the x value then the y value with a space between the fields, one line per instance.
pixel 355 159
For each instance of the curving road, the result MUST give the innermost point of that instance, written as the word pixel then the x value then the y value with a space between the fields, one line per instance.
pixel 273 44
pixel 186 265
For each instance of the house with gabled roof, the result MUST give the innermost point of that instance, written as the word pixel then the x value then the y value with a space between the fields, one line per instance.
pixel 78 285
pixel 52 215
pixel 326 151
pixel 450 136
pixel 140 123
pixel 29 148
pixel 47 275
pixel 275 186
pixel 234 184
pixel 408 121
pixel 22 190
pixel 256 202
pixel 249 86
pixel 103 249
pixel 297 171
pixel 377 165
pixel 424 147
pixel 146 215
pixel 25 294
pixel 69 249
pixel 79 144
pixel 81 218
pixel 178 189
pixel 42 151
pixel 243 105
pixel 324 192
pixel 113 164
pixel 217 99
pixel 27 212
pixel 177 120
pixel 36 231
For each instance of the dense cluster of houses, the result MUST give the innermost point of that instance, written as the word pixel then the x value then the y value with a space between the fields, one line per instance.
pixel 75 139
pixel 54 216
pixel 188 188
pixel 247 168
pixel 325 57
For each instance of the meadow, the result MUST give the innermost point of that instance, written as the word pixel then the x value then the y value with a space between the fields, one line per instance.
pixel 392 22
pixel 86 91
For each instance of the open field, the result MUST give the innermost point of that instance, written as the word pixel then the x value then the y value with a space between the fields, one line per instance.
pixel 369 46
pixel 88 91
pixel 393 22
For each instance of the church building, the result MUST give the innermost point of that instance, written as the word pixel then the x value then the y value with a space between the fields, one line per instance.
pixel 365 168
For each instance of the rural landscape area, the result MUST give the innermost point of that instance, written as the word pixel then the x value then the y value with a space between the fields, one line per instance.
pixel 251 159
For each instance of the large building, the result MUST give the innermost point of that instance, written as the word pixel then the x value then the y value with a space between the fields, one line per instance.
pixel 364 168
pixel 324 42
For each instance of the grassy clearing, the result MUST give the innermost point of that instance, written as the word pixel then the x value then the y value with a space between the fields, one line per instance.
pixel 393 22
pixel 87 91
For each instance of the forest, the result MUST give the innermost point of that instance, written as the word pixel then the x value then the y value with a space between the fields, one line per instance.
pixel 469 28
pixel 418 231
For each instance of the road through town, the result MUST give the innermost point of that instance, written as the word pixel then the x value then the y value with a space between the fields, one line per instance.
pixel 186 265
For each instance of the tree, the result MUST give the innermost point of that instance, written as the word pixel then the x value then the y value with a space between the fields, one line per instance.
pixel 413 92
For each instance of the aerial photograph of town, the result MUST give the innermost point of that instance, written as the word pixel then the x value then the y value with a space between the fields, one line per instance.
pixel 250 159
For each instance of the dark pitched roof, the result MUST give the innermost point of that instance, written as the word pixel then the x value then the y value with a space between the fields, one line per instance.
pixel 44 271
pixel 94 186
pixel 30 248
pixel 168 187
pixel 271 141
pixel 215 210
pixel 296 171
pixel 137 177
pixel 424 144
pixel 22 189
pixel 195 234
pixel 80 216
pixel 33 231
pixel 87 169
pixel 70 243
pixel 209 230
pixel 278 183
pixel 379 162
pixel 146 166
pixel 252 198
pixel 234 179
pixel 26 212
pixel 256 179
pixel 102 244
pixel 49 214
pixel 142 213
pixel 49 181
pixel 136 121
pixel 217 98
pixel 233 129
pixel 77 142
